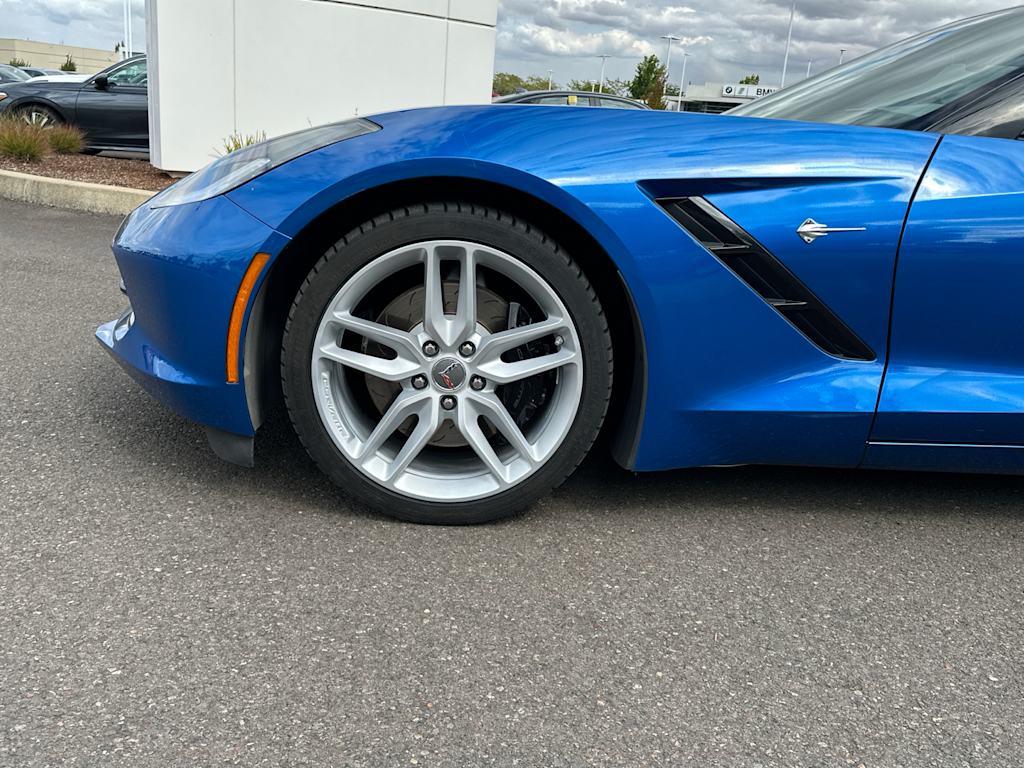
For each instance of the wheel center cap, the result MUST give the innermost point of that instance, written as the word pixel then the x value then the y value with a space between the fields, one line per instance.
pixel 448 374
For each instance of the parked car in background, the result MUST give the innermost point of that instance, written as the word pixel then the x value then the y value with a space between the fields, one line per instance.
pixel 40 72
pixel 571 99
pixel 9 74
pixel 111 107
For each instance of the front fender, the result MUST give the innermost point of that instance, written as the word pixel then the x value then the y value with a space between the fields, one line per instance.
pixel 10 105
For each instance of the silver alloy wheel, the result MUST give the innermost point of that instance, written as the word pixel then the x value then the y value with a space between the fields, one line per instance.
pixel 37 117
pixel 450 387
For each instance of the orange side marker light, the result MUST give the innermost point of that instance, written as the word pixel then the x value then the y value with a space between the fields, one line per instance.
pixel 252 274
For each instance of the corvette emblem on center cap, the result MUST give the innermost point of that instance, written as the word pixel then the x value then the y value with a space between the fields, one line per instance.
pixel 449 374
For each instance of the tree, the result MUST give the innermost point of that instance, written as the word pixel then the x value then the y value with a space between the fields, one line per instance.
pixel 656 96
pixel 537 83
pixel 592 86
pixel 16 62
pixel 505 83
pixel 617 87
pixel 649 74
pixel 751 80
pixel 69 65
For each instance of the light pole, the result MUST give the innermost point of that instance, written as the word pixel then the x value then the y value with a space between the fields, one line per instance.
pixel 841 52
pixel 789 41
pixel 551 74
pixel 668 59
pixel 131 37
pixel 124 24
pixel 604 60
pixel 682 82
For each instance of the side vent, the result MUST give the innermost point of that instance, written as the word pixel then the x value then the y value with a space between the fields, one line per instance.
pixel 767 276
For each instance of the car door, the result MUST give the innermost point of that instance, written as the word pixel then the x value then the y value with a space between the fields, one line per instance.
pixel 955 377
pixel 114 111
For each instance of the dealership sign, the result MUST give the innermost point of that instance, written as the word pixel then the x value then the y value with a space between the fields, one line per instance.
pixel 737 91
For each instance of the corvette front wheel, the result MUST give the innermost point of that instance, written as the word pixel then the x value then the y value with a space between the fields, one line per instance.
pixel 447 363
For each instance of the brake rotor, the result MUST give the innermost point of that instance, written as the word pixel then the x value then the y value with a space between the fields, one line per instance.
pixel 406 312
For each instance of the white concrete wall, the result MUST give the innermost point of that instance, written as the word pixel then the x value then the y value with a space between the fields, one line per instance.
pixel 220 66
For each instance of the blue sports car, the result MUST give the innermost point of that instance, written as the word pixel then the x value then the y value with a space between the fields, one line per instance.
pixel 453 304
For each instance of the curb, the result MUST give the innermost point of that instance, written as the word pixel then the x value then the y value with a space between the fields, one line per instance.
pixel 74 195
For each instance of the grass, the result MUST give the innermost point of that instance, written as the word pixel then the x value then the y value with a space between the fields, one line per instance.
pixel 65 139
pixel 237 141
pixel 21 141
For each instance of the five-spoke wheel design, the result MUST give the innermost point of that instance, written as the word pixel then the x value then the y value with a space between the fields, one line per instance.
pixel 446 362
pixel 39 116
pixel 447 370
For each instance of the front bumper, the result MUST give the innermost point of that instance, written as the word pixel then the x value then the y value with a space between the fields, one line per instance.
pixel 181 269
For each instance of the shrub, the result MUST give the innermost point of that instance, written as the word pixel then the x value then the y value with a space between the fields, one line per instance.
pixel 66 139
pixel 237 141
pixel 69 65
pixel 16 62
pixel 21 141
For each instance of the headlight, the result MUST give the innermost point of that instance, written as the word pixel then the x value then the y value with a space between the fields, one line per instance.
pixel 244 165
pixel 3 96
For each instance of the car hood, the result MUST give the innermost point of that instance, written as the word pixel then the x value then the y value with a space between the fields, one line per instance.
pixel 59 79
pixel 545 149
pixel 35 86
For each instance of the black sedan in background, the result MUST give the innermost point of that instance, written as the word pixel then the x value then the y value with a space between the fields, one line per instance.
pixel 111 107
pixel 571 99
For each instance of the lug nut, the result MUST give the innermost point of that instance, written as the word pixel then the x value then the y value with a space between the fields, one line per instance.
pixel 477 383
pixel 419 382
pixel 467 349
pixel 448 402
pixel 430 349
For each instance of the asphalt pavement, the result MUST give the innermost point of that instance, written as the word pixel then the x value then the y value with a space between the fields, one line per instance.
pixel 161 608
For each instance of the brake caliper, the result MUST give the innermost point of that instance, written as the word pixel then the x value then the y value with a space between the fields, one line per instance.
pixel 526 397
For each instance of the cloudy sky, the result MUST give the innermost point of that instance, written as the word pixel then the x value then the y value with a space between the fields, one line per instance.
pixel 90 23
pixel 726 38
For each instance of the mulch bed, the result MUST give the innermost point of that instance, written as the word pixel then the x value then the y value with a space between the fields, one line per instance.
pixel 137 174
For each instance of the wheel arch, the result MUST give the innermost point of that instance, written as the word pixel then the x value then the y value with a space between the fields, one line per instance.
pixel 290 268
pixel 35 100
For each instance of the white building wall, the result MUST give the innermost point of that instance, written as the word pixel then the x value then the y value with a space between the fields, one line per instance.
pixel 220 66
pixel 52 55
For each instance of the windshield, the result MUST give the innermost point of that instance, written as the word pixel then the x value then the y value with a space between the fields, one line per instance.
pixel 910 84
pixel 13 72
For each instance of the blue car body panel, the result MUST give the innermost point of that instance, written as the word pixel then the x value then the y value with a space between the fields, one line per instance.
pixel 956 370
pixel 181 267
pixel 728 379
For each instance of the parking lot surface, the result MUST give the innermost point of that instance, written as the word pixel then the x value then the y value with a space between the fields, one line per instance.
pixel 161 608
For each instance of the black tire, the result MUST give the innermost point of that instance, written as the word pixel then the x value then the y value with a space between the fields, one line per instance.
pixel 52 118
pixel 445 221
